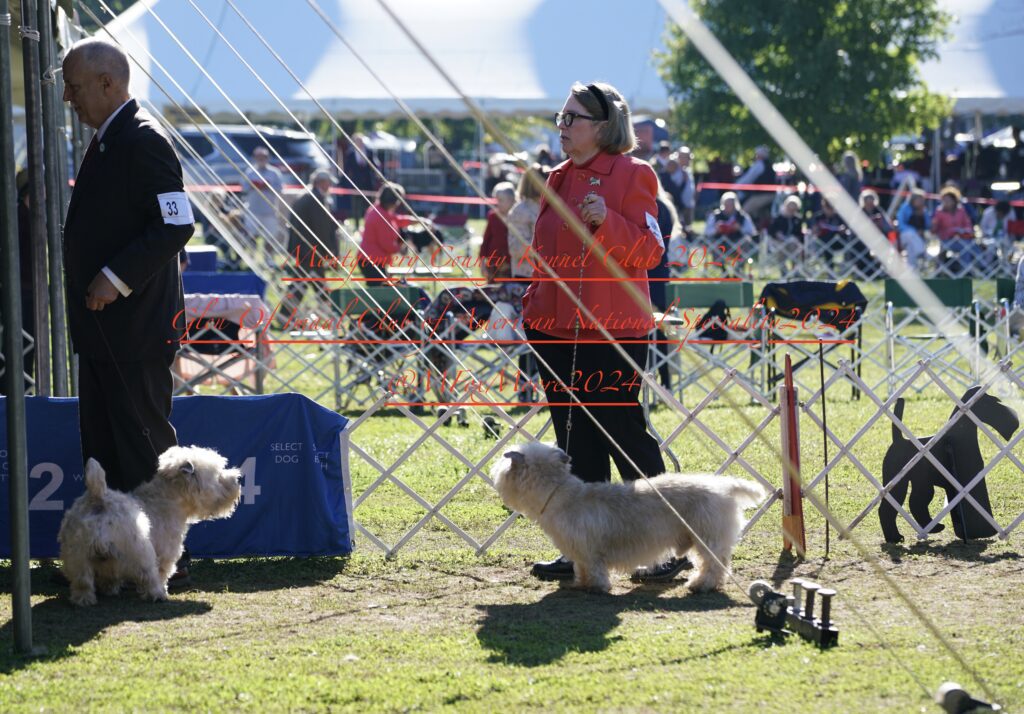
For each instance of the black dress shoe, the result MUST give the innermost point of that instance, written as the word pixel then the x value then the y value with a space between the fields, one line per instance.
pixel 558 569
pixel 661 573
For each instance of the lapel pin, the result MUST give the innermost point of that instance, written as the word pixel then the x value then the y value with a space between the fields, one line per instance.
pixel 103 147
pixel 595 181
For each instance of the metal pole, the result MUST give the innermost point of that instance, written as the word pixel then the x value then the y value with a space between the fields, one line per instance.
pixel 77 143
pixel 54 153
pixel 33 130
pixel 14 377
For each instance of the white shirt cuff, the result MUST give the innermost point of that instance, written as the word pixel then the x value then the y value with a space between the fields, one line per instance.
pixel 118 283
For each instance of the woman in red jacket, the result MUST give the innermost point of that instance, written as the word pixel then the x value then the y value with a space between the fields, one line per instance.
pixel 382 233
pixel 955 229
pixel 613 195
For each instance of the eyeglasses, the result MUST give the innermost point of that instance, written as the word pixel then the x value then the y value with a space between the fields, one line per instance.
pixel 567 118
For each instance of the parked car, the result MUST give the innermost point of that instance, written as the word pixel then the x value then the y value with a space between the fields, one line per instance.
pixel 300 151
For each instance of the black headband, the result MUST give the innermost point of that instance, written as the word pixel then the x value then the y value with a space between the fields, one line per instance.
pixel 592 88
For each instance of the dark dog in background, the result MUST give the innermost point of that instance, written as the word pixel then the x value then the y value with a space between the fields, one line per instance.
pixel 959 452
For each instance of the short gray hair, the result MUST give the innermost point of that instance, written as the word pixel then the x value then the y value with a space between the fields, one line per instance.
pixel 615 135
pixel 102 57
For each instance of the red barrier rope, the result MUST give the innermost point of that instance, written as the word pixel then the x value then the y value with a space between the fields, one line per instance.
pixel 477 201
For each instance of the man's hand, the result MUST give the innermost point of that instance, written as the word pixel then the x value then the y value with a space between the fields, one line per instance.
pixel 100 293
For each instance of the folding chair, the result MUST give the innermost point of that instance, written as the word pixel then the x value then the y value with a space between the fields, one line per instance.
pixel 955 294
pixel 688 302
pixel 222 345
pixel 476 344
pixel 380 332
pixel 828 310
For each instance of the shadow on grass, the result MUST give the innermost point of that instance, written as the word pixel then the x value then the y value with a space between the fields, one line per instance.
pixel 262 574
pixel 59 628
pixel 784 567
pixel 240 575
pixel 969 552
pixel 568 620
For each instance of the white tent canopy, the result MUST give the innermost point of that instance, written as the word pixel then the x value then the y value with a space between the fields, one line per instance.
pixel 979 66
pixel 512 57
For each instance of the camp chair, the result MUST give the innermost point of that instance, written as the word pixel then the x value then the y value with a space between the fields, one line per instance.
pixel 379 332
pixel 478 348
pixel 688 302
pixel 908 327
pixel 219 349
pixel 801 316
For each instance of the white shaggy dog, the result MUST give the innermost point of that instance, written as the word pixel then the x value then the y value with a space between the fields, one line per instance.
pixel 622 526
pixel 108 537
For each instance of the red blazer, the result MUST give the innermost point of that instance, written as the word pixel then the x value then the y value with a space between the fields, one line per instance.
pixel 628 234
pixel 382 236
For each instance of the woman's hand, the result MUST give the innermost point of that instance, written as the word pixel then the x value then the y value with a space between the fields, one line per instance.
pixel 594 210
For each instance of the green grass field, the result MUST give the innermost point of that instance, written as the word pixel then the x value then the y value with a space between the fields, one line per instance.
pixel 438 626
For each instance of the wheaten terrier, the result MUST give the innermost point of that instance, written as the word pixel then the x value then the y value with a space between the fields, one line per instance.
pixel 622 526
pixel 108 537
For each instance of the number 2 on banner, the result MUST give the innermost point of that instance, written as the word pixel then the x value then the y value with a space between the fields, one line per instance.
pixel 249 488
pixel 41 501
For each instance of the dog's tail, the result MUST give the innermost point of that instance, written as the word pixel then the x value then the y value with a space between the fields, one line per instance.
pixel 747 494
pixel 95 479
pixel 897 409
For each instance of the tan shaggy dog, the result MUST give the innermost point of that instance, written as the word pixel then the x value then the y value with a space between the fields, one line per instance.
pixel 108 537
pixel 622 526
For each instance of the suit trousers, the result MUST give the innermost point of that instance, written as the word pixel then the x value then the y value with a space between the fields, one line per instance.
pixel 602 375
pixel 124 411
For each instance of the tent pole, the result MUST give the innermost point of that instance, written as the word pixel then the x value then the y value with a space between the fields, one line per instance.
pixel 979 130
pixel 37 193
pixel 14 374
pixel 484 168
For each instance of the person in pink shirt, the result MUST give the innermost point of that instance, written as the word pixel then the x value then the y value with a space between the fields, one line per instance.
pixel 954 228
pixel 382 233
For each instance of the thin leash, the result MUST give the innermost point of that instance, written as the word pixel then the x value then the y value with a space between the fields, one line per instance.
pixel 575 349
pixel 550 496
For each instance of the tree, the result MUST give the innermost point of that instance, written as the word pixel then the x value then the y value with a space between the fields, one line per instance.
pixel 844 73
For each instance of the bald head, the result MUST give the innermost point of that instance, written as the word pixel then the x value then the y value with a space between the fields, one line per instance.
pixel 102 57
pixel 96 78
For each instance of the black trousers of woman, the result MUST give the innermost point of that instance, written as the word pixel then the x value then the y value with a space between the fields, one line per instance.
pixel 602 375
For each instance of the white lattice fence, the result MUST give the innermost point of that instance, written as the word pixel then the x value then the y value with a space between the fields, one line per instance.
pixel 699 428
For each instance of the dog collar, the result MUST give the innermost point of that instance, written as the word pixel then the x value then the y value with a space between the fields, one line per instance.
pixel 550 496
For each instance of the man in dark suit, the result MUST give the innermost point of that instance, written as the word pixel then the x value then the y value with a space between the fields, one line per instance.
pixel 127 220
pixel 312 240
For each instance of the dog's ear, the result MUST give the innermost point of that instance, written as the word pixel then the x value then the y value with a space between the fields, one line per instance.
pixel 515 457
pixel 187 468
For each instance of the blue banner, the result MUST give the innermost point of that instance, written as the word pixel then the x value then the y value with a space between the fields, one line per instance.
pixel 295 498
